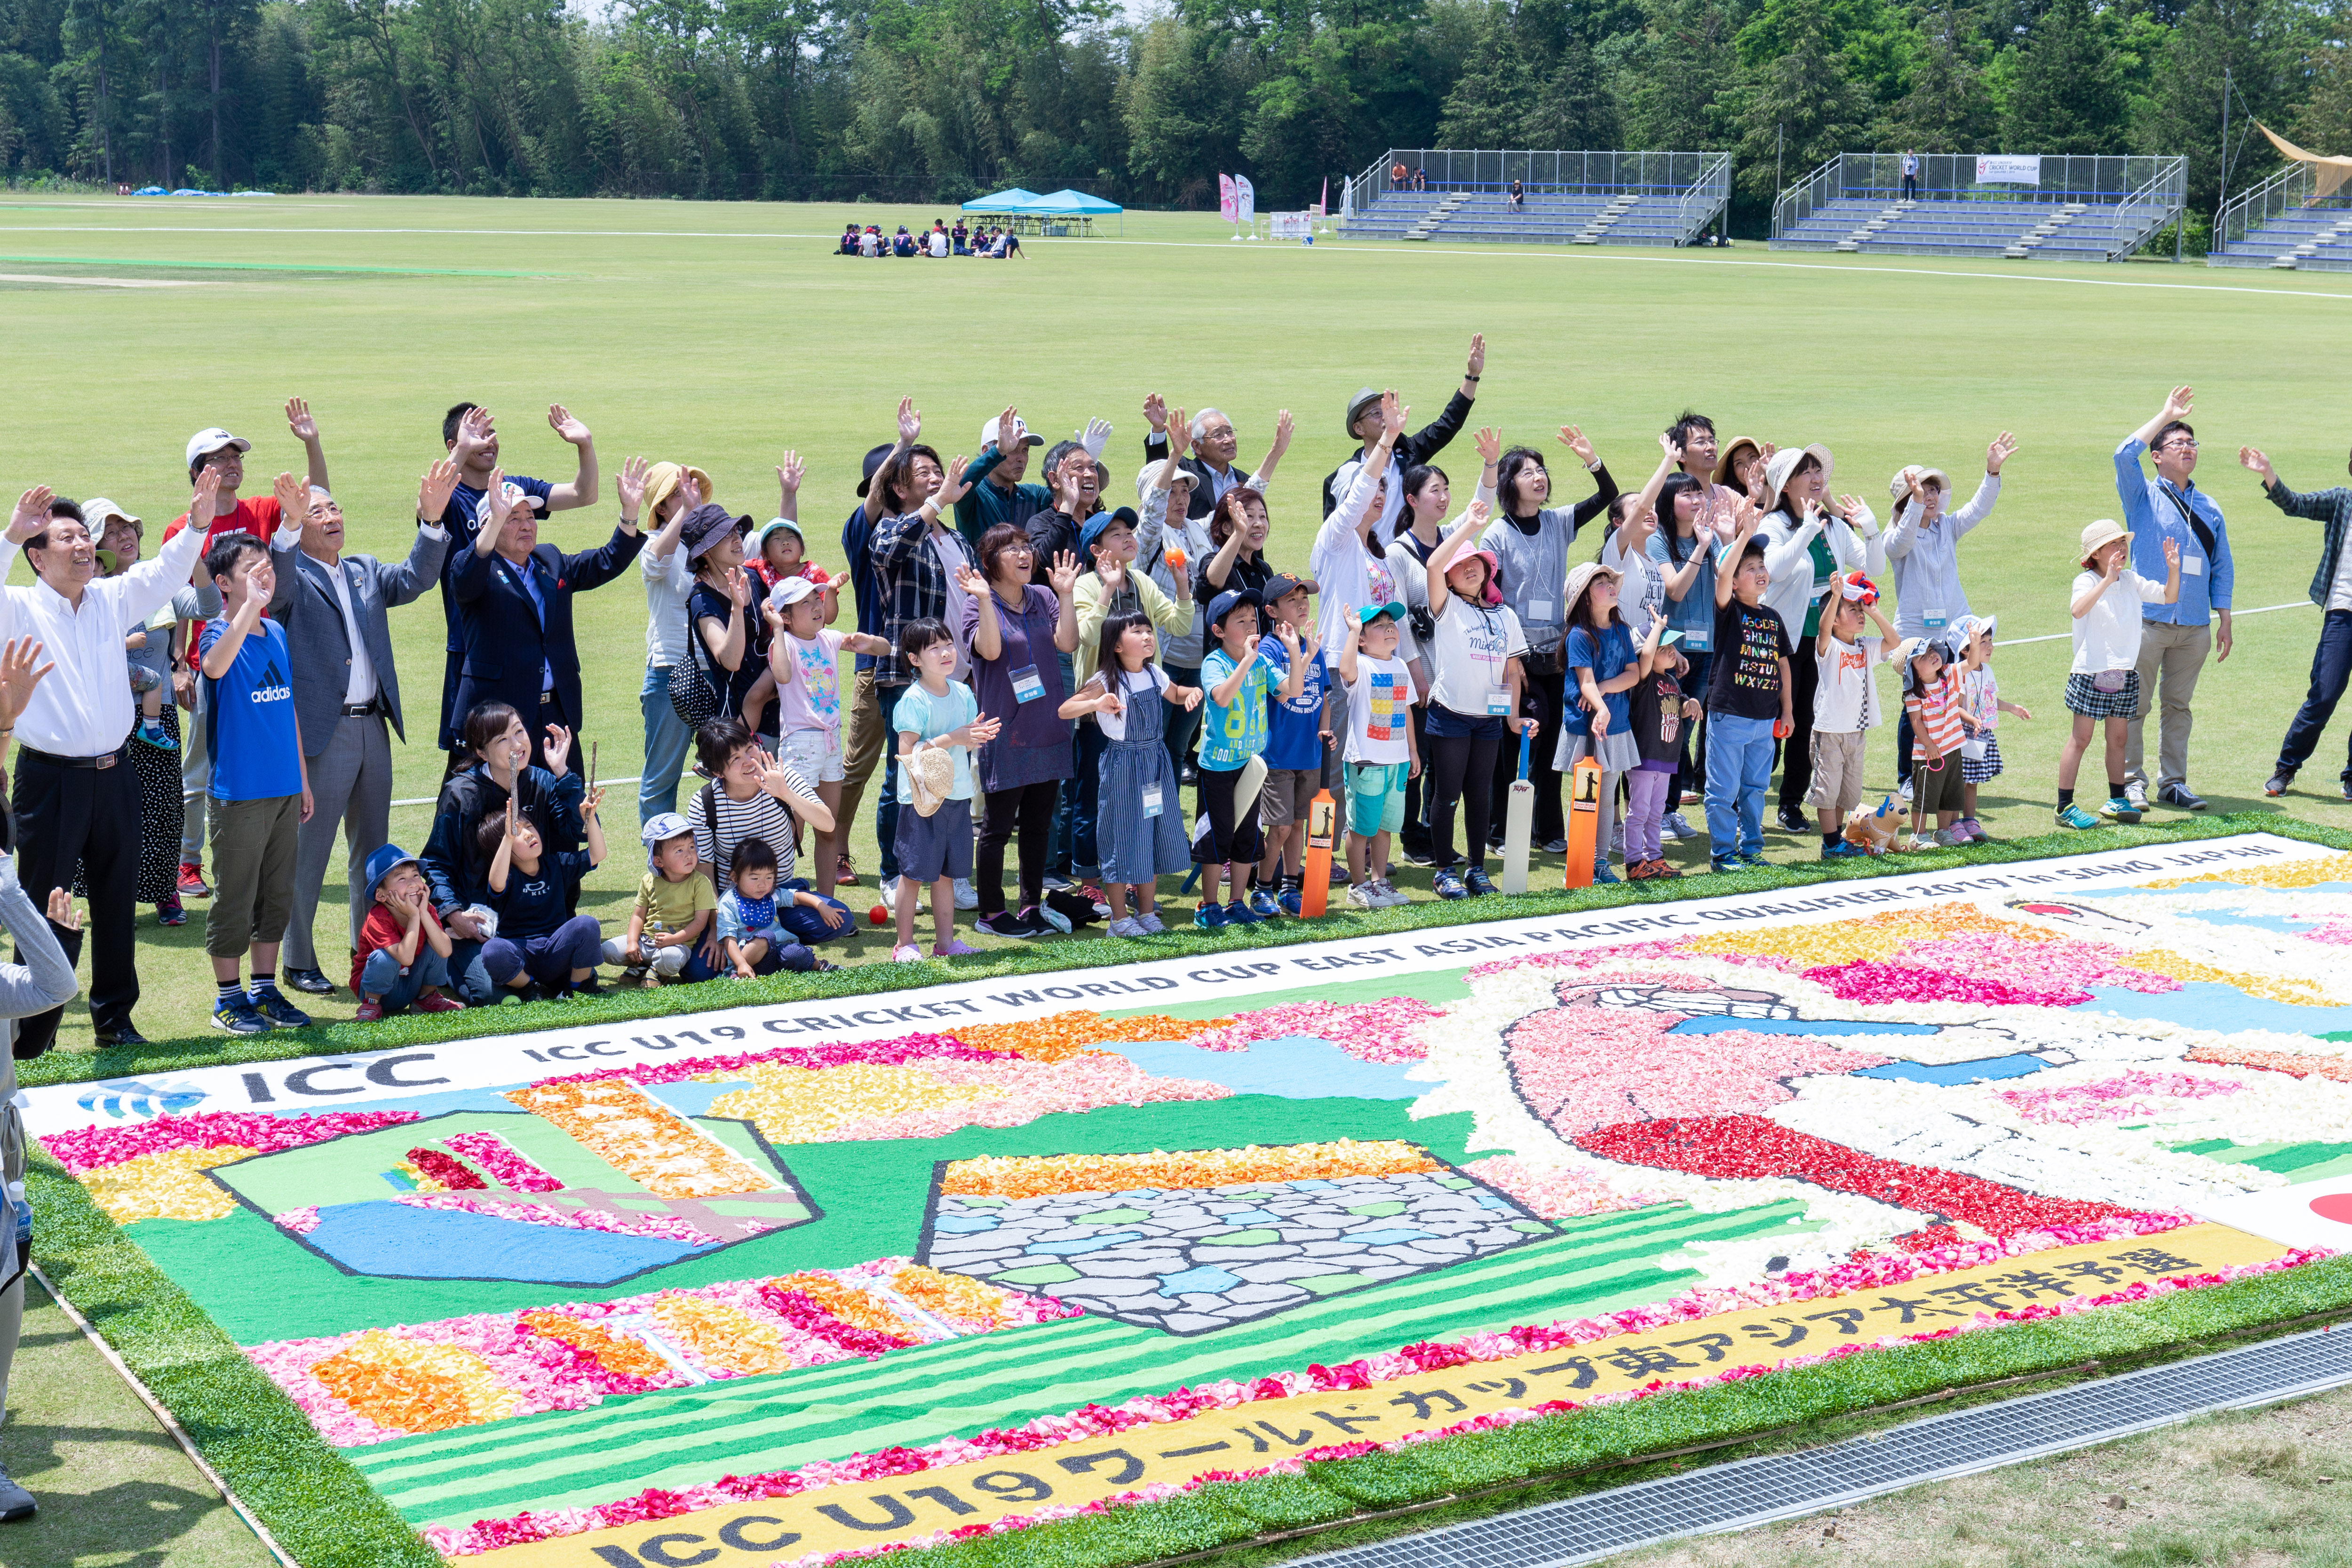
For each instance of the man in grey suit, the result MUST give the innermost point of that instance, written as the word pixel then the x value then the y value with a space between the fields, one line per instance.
pixel 345 688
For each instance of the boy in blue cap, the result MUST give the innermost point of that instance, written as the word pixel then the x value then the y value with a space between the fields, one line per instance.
pixel 404 955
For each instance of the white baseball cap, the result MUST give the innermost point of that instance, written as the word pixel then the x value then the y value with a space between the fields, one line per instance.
pixel 1021 435
pixel 791 591
pixel 213 439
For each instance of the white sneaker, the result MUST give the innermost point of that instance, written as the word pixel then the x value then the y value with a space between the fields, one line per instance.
pixel 2137 793
pixel 1361 896
pixel 1673 829
pixel 1054 882
pixel 1905 793
pixel 1617 838
pixel 1129 926
pixel 887 893
pixel 1149 922
pixel 967 897
pixel 1385 891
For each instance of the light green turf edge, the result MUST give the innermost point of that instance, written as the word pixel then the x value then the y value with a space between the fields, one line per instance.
pixel 866 980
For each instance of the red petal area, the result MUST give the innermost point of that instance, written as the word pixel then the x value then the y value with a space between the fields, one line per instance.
pixel 1753 1146
pixel 451 1175
pixel 1864 981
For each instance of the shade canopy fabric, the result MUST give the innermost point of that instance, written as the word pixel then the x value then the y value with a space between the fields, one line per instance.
pixel 2328 174
pixel 1015 200
pixel 1018 203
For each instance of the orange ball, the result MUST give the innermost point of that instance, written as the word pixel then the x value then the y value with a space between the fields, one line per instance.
pixel 1175 558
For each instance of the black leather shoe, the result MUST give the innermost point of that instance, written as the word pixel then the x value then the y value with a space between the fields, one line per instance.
pixel 16 1503
pixel 2280 782
pixel 125 1035
pixel 309 979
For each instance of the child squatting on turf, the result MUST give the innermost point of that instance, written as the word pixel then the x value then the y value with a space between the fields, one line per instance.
pixel 260 786
pixel 1140 830
pixel 539 950
pixel 1381 754
pixel 675 903
pixel 403 955
pixel 937 715
pixel 1748 700
pixel 2104 683
pixel 1846 704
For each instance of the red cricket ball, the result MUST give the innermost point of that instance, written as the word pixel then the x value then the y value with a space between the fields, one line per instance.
pixel 877 915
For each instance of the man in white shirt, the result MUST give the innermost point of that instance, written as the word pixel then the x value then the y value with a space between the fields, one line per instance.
pixel 76 798
pixel 346 689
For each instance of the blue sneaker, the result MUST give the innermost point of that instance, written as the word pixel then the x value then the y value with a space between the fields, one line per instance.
pixel 1603 877
pixel 1266 905
pixel 272 1004
pixel 1209 917
pixel 1753 861
pixel 1288 903
pixel 1480 884
pixel 2072 816
pixel 238 1017
pixel 1723 863
pixel 1447 884
pixel 1842 850
pixel 1238 914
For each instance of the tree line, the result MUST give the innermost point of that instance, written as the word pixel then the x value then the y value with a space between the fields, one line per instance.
pixel 935 100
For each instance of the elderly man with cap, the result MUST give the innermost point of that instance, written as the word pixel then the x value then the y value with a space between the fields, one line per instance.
pixel 334 608
pixel 1215 448
pixel 215 451
pixel 470 434
pixel 1923 547
pixel 996 493
pixel 514 606
pixel 670 492
pixel 1421 446
pixel 75 799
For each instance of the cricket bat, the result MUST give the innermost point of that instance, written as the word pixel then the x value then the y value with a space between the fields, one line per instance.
pixel 1519 824
pixel 1583 821
pixel 1315 889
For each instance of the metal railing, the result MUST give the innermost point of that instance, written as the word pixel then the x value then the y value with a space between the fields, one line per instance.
pixel 2151 207
pixel 2288 190
pixel 1701 182
pixel 2104 179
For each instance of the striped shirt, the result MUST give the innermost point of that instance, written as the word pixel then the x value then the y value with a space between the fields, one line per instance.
pixel 1936 715
pixel 761 816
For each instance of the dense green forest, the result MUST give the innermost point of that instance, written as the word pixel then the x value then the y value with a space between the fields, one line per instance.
pixel 939 100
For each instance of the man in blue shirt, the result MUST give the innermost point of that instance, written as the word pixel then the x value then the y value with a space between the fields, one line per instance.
pixel 2176 637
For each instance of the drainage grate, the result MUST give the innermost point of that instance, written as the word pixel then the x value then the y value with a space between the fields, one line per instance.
pixel 1754 1491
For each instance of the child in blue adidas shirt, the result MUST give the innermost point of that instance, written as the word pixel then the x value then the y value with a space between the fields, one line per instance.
pixel 260 786
pixel 1298 734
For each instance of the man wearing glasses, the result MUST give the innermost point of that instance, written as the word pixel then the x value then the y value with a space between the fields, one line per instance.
pixel 2174 638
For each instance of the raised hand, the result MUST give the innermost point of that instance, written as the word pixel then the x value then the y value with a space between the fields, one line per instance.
pixel 2178 402
pixel 61 910
pixel 491 516
pixel 1094 437
pixel 1392 414
pixel 1155 412
pixel 594 802
pixel 1572 437
pixel 968 579
pixel 559 751
pixel 1478 365
pixel 511 819
pixel 32 513
pixel 951 486
pixel 910 422
pixel 1848 507
pixel 293 497
pixel 1474 517
pixel 1114 578
pixel 473 433
pixel 773 615
pixel 1489 442
pixel 1180 433
pixel 2252 459
pixel 739 587
pixel 298 420
pixel 561 420
pixel 18 675
pixel 630 485
pixel 202 502
pixel 2171 555
pixel 1008 426
pixel 2003 448
pixel 1063 575
pixel 434 491
pixel 1283 427
pixel 789 475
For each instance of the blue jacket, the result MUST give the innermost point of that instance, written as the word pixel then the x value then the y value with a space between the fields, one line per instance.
pixel 2151 514
pixel 506 641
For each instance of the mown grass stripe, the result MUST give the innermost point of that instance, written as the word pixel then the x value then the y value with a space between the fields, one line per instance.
pixel 272 266
pixel 435 1495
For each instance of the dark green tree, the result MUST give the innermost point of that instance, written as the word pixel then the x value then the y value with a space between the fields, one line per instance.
pixel 2067 95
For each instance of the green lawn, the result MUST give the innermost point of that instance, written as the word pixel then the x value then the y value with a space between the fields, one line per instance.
pixel 723 334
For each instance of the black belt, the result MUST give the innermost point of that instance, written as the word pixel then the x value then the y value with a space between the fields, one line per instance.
pixel 368 710
pixel 107 761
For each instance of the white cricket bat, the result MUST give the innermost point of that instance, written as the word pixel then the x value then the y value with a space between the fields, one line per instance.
pixel 1518 825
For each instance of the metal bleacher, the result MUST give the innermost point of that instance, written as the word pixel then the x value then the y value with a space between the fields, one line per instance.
pixel 1569 198
pixel 2081 209
pixel 2285 222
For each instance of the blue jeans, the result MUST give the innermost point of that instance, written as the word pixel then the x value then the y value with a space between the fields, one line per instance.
pixel 383 980
pixel 1739 770
pixel 803 924
pixel 471 980
pixel 2331 665
pixel 668 739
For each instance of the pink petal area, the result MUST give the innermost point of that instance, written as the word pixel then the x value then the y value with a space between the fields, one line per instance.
pixel 1551 1192
pixel 94 1148
pixel 1369 1031
pixel 2119 1099
pixel 1021 1090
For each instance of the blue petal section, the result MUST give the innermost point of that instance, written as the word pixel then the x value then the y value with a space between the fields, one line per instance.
pixel 1719 1024
pixel 450 1244
pixel 963 1224
pixel 1215 1281
pixel 2206 1005
pixel 1297 1066
pixel 1945 1075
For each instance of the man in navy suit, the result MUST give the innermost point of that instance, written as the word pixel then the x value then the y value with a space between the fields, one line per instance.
pixel 346 689
pixel 514 609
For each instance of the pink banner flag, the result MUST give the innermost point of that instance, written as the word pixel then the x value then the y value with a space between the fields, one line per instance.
pixel 1226 208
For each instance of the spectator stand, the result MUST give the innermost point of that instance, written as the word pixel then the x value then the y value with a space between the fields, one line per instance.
pixel 1568 198
pixel 2299 219
pixel 2019 206
pixel 1064 215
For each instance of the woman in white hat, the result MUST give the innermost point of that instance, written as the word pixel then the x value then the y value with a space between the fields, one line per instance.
pixel 1806 543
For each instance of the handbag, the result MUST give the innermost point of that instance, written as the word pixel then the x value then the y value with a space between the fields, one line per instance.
pixel 689 687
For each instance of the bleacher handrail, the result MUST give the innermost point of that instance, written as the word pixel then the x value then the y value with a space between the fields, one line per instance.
pixel 1706 198
pixel 1801 200
pixel 2288 189
pixel 1489 171
pixel 2169 201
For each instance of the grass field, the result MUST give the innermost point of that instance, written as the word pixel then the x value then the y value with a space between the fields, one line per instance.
pixel 723 334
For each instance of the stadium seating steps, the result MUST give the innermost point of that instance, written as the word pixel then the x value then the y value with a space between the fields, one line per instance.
pixel 1990 228
pixel 1546 219
pixel 2313 239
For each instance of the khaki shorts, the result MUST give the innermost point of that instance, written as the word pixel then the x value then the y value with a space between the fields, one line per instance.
pixel 1288 793
pixel 1837 771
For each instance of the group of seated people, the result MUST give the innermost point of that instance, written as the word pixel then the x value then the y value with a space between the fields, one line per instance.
pixel 938 240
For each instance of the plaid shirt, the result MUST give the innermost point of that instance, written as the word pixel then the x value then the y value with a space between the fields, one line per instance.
pixel 2333 509
pixel 914 584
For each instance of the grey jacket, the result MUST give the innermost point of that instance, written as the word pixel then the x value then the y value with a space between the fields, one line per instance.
pixel 316 635
pixel 45 980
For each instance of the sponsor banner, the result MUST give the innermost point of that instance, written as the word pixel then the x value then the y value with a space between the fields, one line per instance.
pixel 2009 169
pixel 1292 226
pixel 345 1082
pixel 1225 208
pixel 1244 200
pixel 903 1509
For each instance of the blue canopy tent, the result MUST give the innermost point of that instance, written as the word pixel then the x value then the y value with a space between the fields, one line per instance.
pixel 1064 212
pixel 1015 200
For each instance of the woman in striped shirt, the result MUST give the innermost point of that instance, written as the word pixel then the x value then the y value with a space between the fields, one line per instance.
pixel 753 795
